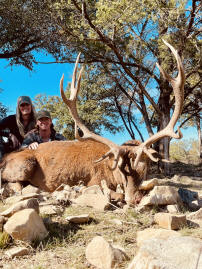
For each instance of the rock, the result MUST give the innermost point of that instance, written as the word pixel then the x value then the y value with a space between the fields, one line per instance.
pixel 16 199
pixel 94 189
pixel 116 221
pixel 196 217
pixel 64 196
pixel 12 188
pixel 175 178
pixel 97 201
pixel 79 219
pixel 110 194
pixel 119 254
pixel 105 188
pixel 64 187
pixel 30 189
pixel 170 221
pixel 16 252
pixel 126 208
pixel 173 208
pixel 103 255
pixel 30 203
pixel 50 210
pixel 174 253
pixel 147 185
pixel 26 225
pixel 185 179
pixel 154 233
pixel 161 195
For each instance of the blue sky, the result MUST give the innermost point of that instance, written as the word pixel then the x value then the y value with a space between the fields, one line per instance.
pixel 17 81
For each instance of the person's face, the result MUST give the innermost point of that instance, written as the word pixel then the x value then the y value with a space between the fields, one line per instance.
pixel 25 109
pixel 44 123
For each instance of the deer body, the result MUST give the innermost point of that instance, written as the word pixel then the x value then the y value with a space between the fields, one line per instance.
pixel 69 162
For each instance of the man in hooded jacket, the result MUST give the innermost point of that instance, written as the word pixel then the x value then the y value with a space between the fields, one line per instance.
pixel 16 126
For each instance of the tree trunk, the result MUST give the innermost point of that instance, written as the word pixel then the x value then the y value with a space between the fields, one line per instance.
pixel 198 124
pixel 164 144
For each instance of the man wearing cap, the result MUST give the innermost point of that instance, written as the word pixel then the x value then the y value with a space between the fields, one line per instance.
pixel 44 131
pixel 14 127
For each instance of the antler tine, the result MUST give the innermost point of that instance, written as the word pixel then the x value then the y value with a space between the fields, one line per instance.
pixel 73 84
pixel 115 150
pixel 168 131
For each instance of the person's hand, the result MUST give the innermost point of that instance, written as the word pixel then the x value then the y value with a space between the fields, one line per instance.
pixel 34 145
pixel 15 142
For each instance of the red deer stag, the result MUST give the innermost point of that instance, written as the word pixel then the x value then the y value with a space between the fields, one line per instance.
pixel 92 158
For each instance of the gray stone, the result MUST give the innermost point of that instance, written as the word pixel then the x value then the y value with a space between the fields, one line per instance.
pixel 30 189
pixel 174 253
pixel 161 195
pixel 97 201
pixel 154 233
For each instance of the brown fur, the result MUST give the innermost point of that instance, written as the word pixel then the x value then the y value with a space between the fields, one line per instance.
pixel 69 162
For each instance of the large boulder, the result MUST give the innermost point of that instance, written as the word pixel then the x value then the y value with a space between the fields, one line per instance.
pixel 161 195
pixel 26 225
pixel 103 255
pixel 150 233
pixel 174 253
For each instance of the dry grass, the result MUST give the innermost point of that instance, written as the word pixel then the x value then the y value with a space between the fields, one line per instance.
pixel 65 246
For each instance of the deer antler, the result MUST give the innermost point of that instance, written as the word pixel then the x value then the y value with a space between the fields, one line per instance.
pixel 168 131
pixel 115 150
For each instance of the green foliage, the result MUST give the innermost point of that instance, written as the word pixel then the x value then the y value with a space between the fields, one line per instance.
pixel 185 150
pixel 25 26
pixel 95 108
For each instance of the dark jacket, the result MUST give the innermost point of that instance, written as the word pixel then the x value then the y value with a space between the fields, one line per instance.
pixel 11 124
pixel 33 136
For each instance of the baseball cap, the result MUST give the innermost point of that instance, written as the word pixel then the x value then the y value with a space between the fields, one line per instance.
pixel 43 114
pixel 24 99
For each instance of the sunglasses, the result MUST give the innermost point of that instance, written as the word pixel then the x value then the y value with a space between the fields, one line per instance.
pixel 24 104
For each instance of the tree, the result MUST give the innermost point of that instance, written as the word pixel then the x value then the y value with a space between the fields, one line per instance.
pixel 25 26
pixel 185 150
pixel 124 39
pixel 94 105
